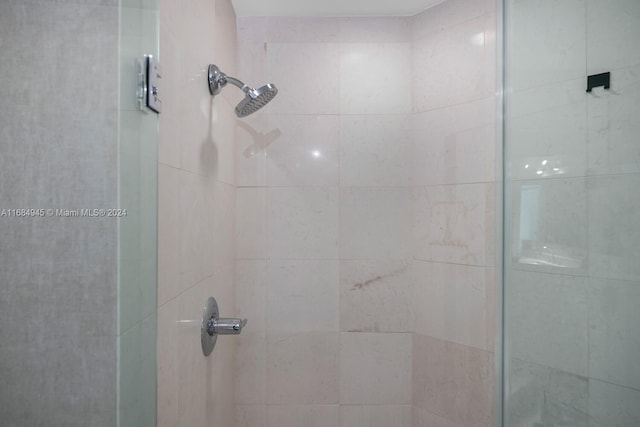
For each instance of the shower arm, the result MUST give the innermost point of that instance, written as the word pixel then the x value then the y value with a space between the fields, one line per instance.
pixel 218 80
pixel 237 83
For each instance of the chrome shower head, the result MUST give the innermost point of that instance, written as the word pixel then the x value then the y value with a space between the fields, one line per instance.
pixel 254 99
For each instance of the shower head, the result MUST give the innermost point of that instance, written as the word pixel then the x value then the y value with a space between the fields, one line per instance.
pixel 254 99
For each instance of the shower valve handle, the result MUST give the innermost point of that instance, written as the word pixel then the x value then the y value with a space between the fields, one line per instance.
pixel 214 325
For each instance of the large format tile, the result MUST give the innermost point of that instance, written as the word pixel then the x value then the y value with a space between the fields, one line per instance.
pixel 302 369
pixel 303 415
pixel 612 35
pixel 375 416
pixel 305 153
pixel 545 396
pixel 375 296
pixel 306 77
pixel 547 46
pixel 302 296
pixel 303 223
pixel 251 217
pixel 448 67
pixel 614 226
pixel 614 342
pixel 449 302
pixel 375 223
pixel 375 78
pixel 453 145
pixel 547 131
pixel 452 381
pixel 450 224
pixel 375 150
pixel 614 125
pixel 375 368
pixel 447 14
pixel 611 405
pixel 547 317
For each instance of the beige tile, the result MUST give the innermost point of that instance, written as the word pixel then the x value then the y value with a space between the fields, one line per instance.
pixel 251 416
pixel 251 368
pixel 169 228
pixel 363 91
pixel 308 416
pixel 450 224
pixel 375 296
pixel 168 355
pixel 449 302
pixel 251 232
pixel 375 368
pixel 302 368
pixel 302 296
pixel 283 29
pixel 375 416
pixel 452 381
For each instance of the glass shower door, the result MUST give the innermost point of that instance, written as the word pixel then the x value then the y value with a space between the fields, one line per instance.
pixel 572 195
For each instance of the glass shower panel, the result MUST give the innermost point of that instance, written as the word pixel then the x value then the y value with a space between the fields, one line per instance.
pixel 137 230
pixel 572 193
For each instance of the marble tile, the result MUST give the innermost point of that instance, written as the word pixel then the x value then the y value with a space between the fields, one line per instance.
pixel 448 67
pixel 452 381
pixel 549 227
pixel 547 317
pixel 223 220
pixel 375 150
pixel 251 217
pixel 450 223
pixel 304 152
pixel 303 415
pixel 168 355
pixel 613 124
pixel 375 29
pixel 453 145
pixel 614 226
pixel 251 293
pixel 375 416
pixel 302 369
pixel 422 418
pixel 375 369
pixel 251 416
pixel 303 223
pixel 306 77
pixel 169 185
pixel 252 139
pixel 612 405
pixel 302 296
pixel 449 302
pixel 300 29
pixel 375 296
pixel 614 345
pixel 375 78
pixel 542 395
pixel 447 14
pixel 375 223
pixel 547 47
pixel 251 367
pixel 612 35
pixel 547 132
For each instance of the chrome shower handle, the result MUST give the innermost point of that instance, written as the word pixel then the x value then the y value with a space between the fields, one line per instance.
pixel 225 326
pixel 213 325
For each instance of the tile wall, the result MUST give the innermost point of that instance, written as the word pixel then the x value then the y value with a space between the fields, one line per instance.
pixel 365 205
pixel 196 220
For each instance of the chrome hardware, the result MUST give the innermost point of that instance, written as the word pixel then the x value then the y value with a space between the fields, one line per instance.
pixel 213 325
pixel 148 84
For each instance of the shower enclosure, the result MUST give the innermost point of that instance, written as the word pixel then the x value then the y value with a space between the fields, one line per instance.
pixel 355 220
pixel 572 195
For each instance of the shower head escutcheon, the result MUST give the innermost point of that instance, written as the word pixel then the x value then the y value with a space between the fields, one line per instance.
pixel 254 99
